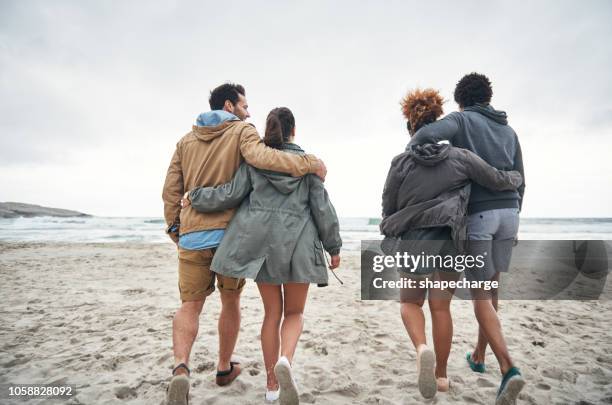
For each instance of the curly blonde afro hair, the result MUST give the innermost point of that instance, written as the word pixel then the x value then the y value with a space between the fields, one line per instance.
pixel 421 107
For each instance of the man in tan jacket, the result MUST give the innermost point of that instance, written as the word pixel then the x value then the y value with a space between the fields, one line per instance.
pixel 207 156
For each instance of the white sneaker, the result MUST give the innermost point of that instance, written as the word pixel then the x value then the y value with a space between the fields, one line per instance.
pixel 426 366
pixel 288 388
pixel 272 396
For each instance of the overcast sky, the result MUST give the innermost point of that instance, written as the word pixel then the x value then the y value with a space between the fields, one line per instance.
pixel 94 95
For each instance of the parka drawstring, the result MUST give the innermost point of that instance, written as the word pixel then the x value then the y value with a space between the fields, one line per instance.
pixel 329 264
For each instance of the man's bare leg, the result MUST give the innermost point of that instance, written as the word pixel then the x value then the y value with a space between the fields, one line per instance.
pixel 478 355
pixel 184 331
pixel 491 327
pixel 229 327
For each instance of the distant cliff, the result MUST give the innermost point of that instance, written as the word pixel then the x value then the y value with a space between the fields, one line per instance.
pixel 14 210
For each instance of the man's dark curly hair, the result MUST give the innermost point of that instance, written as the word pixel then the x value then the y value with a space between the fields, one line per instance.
pixel 473 88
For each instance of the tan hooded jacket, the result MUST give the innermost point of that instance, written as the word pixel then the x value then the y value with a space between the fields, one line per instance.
pixel 209 156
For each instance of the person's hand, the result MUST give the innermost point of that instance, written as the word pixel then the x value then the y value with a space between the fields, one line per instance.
pixel 335 262
pixel 321 170
pixel 185 202
pixel 174 236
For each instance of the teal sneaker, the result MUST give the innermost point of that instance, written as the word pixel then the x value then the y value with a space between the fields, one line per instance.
pixel 511 385
pixel 476 367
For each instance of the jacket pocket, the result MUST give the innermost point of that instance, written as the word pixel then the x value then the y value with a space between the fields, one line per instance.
pixel 318 254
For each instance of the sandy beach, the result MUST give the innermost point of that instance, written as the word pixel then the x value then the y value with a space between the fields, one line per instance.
pixel 99 316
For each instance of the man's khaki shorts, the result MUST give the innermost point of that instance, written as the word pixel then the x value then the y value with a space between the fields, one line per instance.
pixel 197 281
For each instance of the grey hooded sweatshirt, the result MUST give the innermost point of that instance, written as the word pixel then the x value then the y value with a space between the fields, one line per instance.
pixel 276 235
pixel 484 131
pixel 429 186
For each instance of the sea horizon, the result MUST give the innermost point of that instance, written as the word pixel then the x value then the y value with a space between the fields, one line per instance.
pixel 141 229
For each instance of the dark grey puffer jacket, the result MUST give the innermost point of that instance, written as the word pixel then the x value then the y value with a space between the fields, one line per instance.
pixel 484 131
pixel 429 186
pixel 275 236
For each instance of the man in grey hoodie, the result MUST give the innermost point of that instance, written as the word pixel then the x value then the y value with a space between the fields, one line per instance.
pixel 493 215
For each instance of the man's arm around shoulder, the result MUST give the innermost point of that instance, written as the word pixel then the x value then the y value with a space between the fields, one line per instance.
pixel 441 130
pixel 257 154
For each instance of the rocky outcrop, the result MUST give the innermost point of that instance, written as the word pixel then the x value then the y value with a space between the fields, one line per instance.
pixel 15 209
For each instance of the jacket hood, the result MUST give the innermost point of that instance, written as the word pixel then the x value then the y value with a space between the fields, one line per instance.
pixel 212 124
pixel 430 154
pixel 284 183
pixel 485 109
pixel 214 118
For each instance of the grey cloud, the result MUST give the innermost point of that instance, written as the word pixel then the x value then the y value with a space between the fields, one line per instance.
pixel 75 73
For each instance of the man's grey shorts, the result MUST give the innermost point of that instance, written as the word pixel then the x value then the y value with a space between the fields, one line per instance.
pixel 493 232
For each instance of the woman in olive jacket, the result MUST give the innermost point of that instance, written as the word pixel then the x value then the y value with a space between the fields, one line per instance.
pixel 276 238
pixel 425 198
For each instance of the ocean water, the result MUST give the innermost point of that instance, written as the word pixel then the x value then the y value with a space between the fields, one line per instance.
pixel 353 230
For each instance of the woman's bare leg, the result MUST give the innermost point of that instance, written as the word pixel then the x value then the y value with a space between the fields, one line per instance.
pixel 442 322
pixel 294 300
pixel 411 309
pixel 272 298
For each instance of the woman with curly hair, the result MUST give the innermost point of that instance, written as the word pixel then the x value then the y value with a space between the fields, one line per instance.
pixel 425 199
